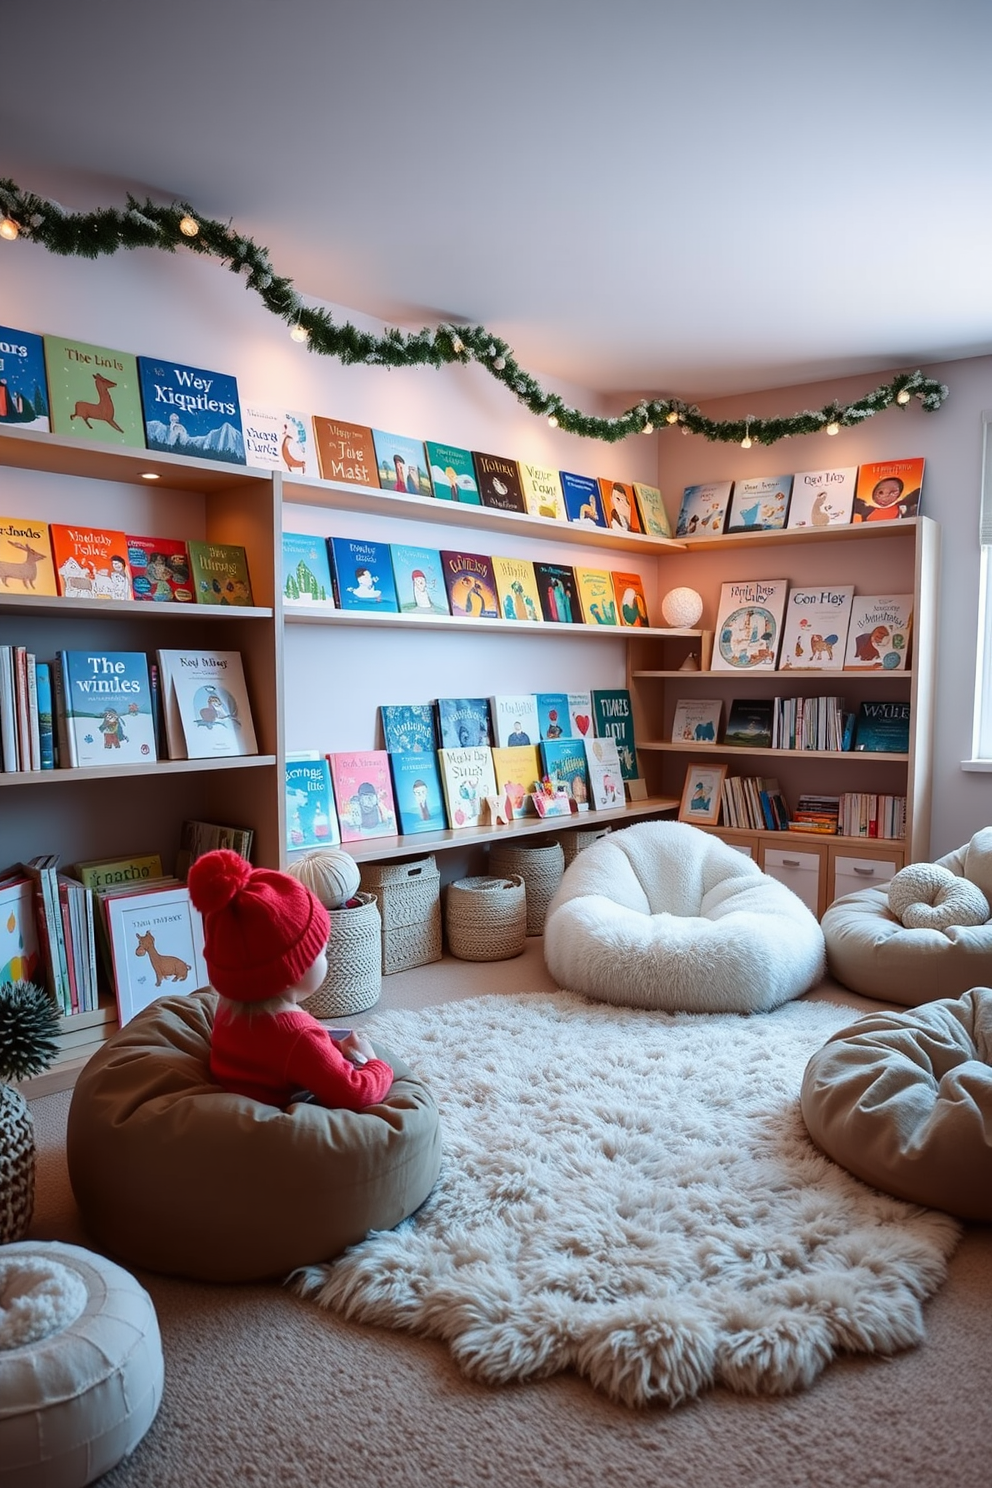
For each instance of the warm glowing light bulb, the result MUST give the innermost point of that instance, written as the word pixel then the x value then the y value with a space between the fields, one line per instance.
pixel 298 332
pixel 903 395
pixel 833 427
pixel 553 420
pixel 150 475
pixel 9 229
pixel 672 416
pixel 458 345
pixel 648 429
pixel 746 442
pixel 188 226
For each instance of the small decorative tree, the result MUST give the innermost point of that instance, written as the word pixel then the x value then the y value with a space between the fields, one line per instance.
pixel 29 1023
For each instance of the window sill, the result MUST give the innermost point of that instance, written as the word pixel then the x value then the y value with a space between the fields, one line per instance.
pixel 977 766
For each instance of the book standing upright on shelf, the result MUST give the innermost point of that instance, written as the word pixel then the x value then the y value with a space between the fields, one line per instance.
pixel 749 625
pixel 408 728
pixel 605 773
pixel 191 411
pixel 518 775
pixel 650 505
pixel 558 593
pixel 205 704
pixel 105 708
pixel 749 723
pixel 23 384
pixel 888 490
pixel 704 509
pixel 697 721
pixel 468 777
pixel 277 439
pixel 613 719
pixel 499 482
pixel 418 793
pixel 401 464
pixel 553 720
pixel 759 503
pixel 470 583
pixel 362 575
pixel 515 719
pixel 596 597
pixel 814 629
pixel 20 954
pixel 462 722
pixel 219 572
pixel 628 591
pixel 91 562
pixel 583 503
pixel 619 505
pixel 878 634
pixel 160 570
pixel 311 818
pixel 452 473
pixel 94 393
pixel 419 579
pixel 26 565
pixel 306 571
pixel 822 498
pixel 156 938
pixel 516 589
pixel 882 727
pixel 363 793
pixel 563 761
pixel 542 491
pixel 580 714
pixel 345 452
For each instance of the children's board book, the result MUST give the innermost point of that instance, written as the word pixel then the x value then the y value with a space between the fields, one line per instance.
pixel 311 818
pixel 156 937
pixel 888 490
pixel 160 569
pixel 190 411
pixel 499 482
pixel 749 625
pixel 697 721
pixel 516 589
pixel 20 957
pixel 91 562
pixel 470 583
pixel 822 498
pixel 26 565
pixel 882 728
pixel 759 503
pixel 205 701
pixel 596 598
pixel 563 761
pixel 418 793
pixel 542 491
pixel 583 503
pixel 408 728
pixel 619 505
pixel 113 873
pixel 452 473
pixel 279 440
pixel 628 591
pixel 306 572
pixel 580 714
pixel 401 464
pixel 654 517
pixel 558 593
pixel 553 719
pixel 463 722
pixel 467 777
pixel 362 575
pixel 605 774
pixel 345 452
pixel 518 776
pixel 613 719
pixel 419 578
pixel 704 509
pixel 363 792
pixel 106 707
pixel 814 631
pixel 94 393
pixel 749 723
pixel 515 720
pixel 220 573
pixel 878 633
pixel 23 385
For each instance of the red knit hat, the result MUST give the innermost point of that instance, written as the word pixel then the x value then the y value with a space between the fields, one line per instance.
pixel 262 929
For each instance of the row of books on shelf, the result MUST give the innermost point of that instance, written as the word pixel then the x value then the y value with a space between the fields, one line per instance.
pixel 881 490
pixel 87 708
pixel 398 578
pixel 768 625
pixel 755 803
pixel 83 561
pixel 820 723
pixel 853 814
pixel 511 719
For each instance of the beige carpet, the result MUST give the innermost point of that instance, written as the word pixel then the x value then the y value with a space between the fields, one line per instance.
pixel 264 1390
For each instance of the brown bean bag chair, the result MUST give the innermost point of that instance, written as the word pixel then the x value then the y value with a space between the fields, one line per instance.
pixel 173 1173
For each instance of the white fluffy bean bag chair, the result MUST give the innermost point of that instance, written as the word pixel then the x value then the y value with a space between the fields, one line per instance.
pixel 663 915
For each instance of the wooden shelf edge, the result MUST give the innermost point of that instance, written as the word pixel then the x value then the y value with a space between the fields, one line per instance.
pixel 730 751
pixel 118 772
pixel 395 619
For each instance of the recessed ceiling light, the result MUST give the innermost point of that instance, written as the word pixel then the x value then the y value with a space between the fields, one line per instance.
pixel 150 475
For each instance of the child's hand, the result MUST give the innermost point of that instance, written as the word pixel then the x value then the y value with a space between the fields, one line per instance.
pixel 357 1044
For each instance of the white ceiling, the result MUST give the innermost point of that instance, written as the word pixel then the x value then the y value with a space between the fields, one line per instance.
pixel 641 197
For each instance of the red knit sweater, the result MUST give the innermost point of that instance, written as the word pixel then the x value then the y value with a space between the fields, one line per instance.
pixel 272 1056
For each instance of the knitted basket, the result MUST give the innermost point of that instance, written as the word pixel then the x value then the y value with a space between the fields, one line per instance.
pixel 354 961
pixel 409 896
pixel 540 866
pixel 486 918
pixel 574 841
pixel 16 1165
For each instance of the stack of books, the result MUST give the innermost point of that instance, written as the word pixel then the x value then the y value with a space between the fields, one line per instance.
pixel 816 814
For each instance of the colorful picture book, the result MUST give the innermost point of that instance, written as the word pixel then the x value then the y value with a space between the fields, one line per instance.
pixel 467 777
pixel 408 728
pixel 580 714
pixel 160 569
pixel 113 873
pixel 401 464
pixel 463 722
pixel 697 721
pixel 882 728
pixel 469 580
pixel 516 589
pixel 94 393
pixel 20 955
pixel 219 572
pixel 654 517
pixel 759 503
pixel 306 572
pixel 156 938
pixel 190 411
pixel 619 505
pixel 613 719
pixel 362 575
pixel 363 793
pixel 418 793
pixel 558 593
pixel 278 439
pixel 878 633
pixel 583 503
pixel 23 384
pixel 206 705
pixel 553 719
pixel 628 590
pixel 596 598
pixel 563 761
pixel 888 490
pixel 26 557
pixel 105 708
pixel 91 562
pixel 345 452
pixel 452 473
pixel 704 509
pixel 311 816
pixel 419 579
pixel 199 837
pixel 499 482
pixel 605 774
pixel 814 629
pixel 749 625
pixel 518 774
pixel 749 723
pixel 542 491
pixel 822 498
pixel 515 720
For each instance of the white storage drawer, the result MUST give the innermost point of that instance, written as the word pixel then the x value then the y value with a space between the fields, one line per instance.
pixel 799 871
pixel 852 873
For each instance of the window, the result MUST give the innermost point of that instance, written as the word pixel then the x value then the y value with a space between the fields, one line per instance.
pixel 982 744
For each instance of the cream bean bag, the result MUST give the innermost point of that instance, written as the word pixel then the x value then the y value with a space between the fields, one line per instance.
pixel 664 915
pixel 904 1101
pixel 921 937
pixel 173 1173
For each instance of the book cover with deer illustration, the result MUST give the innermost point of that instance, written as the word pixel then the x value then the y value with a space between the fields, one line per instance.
pixel 191 411
pixel 91 562
pixel 26 565
pixel 23 385
pixel 279 439
pixel 156 940
pixel 106 707
pixel 94 393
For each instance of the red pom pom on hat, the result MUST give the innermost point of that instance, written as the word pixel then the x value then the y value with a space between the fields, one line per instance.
pixel 262 929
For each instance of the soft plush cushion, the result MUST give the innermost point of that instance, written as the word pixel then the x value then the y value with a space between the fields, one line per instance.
pixel 664 915
pixel 173 1173
pixel 927 896
pixel 904 1101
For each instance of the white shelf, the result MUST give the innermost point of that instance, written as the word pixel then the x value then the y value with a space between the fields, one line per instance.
pixel 369 620
pixel 117 772
pixel 728 751
pixel 128 609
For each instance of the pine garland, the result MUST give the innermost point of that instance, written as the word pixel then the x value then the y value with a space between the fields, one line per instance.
pixel 147 225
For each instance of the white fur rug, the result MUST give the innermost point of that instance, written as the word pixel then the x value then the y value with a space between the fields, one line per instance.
pixel 634 1196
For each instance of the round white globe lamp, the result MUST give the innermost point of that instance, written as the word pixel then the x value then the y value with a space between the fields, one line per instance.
pixel 681 608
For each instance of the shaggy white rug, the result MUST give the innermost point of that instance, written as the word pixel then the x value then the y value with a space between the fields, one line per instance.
pixel 634 1196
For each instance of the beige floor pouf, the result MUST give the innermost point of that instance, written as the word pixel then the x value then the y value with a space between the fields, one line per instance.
pixel 81 1369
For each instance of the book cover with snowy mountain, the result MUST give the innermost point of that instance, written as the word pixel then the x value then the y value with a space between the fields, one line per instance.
pixel 23 384
pixel 190 411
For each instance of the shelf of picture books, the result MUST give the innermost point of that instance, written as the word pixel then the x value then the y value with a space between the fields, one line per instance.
pixel 453 771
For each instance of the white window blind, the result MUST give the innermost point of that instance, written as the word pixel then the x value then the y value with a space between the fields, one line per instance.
pixel 983 692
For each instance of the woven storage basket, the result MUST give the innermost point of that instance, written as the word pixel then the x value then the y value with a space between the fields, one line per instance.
pixel 486 918
pixel 541 866
pixel 354 961
pixel 573 842
pixel 409 896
